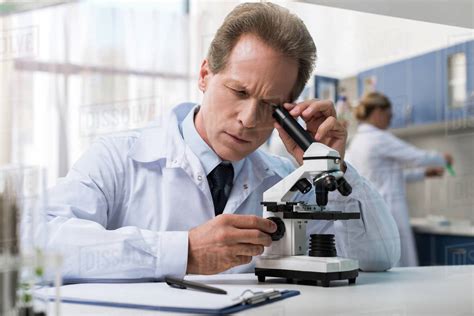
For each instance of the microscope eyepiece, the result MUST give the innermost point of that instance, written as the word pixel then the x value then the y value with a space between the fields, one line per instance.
pixel 292 127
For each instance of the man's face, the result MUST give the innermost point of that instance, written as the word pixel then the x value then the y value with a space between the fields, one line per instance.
pixel 236 116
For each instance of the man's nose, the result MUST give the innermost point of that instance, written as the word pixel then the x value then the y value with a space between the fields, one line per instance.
pixel 248 116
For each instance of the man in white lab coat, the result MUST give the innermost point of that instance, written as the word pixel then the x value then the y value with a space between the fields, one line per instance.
pixel 386 160
pixel 147 204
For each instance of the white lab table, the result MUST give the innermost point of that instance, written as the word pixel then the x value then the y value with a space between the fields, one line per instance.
pixel 441 290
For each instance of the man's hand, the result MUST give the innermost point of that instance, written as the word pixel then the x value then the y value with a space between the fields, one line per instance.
pixel 226 241
pixel 321 123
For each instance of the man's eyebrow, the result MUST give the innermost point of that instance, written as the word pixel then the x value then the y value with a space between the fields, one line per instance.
pixel 272 101
pixel 242 86
pixel 275 101
pixel 236 82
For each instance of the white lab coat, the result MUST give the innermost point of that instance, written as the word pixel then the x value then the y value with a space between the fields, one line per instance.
pixel 383 159
pixel 125 208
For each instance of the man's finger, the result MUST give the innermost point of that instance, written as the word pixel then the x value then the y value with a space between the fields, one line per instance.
pixel 289 143
pixel 253 222
pixel 248 250
pixel 250 236
pixel 242 260
pixel 317 110
pixel 314 108
pixel 328 125
pixel 289 106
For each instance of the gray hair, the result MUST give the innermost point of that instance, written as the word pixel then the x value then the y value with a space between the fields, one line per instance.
pixel 275 26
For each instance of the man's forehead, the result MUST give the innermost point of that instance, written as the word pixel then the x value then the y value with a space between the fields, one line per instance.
pixel 257 57
pixel 252 64
pixel 249 48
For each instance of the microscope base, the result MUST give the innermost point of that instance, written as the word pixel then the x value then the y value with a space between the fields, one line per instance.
pixel 309 270
pixel 323 277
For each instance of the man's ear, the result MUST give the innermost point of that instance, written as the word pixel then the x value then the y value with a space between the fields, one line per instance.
pixel 204 75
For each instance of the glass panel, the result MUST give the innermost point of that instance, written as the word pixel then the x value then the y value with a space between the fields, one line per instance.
pixel 457 80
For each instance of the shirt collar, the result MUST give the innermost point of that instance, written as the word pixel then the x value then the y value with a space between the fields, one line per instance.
pixel 209 159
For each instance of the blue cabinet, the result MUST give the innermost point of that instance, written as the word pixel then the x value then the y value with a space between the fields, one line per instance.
pixel 393 81
pixel 326 88
pixel 395 84
pixel 427 95
pixel 436 249
pixel 418 86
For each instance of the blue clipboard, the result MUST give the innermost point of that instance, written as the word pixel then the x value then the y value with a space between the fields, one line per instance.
pixel 257 299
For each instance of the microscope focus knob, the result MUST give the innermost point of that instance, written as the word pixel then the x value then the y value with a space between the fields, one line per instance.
pixel 280 231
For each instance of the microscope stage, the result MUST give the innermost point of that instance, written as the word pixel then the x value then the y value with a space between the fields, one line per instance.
pixel 306 268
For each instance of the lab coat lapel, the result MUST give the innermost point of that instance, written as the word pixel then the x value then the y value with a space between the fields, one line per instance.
pixel 154 145
pixel 180 155
pixel 253 174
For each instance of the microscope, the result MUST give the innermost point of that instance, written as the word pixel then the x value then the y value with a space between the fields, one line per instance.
pixel 291 255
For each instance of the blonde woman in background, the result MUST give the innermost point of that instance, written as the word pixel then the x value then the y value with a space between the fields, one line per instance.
pixel 386 161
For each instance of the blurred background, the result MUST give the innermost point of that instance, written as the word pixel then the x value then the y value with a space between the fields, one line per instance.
pixel 74 70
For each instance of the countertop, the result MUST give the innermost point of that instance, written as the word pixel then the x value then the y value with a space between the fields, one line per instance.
pixel 441 290
pixel 442 227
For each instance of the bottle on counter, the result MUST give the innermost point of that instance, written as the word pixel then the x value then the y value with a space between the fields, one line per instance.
pixel 9 252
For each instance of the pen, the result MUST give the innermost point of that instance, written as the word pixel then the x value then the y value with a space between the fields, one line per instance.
pixel 182 284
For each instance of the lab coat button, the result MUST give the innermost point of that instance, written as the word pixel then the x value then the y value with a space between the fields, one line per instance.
pixel 246 186
pixel 199 177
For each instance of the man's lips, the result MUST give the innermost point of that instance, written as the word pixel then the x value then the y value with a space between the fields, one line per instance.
pixel 237 138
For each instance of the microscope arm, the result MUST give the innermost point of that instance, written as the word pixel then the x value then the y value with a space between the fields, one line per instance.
pixel 321 166
pixel 318 160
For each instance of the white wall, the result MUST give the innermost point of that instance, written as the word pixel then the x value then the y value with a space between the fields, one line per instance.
pixel 452 12
pixel 349 42
pixel 449 196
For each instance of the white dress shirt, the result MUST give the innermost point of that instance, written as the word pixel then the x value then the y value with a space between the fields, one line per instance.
pixel 209 159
